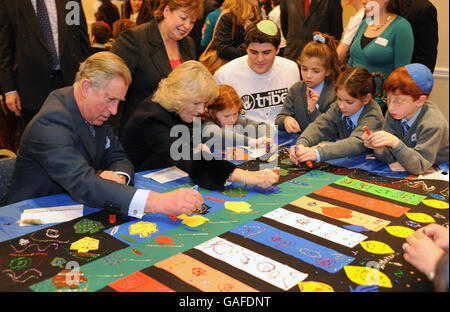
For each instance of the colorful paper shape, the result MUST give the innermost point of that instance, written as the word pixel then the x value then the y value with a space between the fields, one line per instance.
pixel 86 225
pixel 367 276
pixel 238 207
pixel 69 278
pixel 399 231
pixel 193 221
pixel 373 204
pixel 434 203
pixel 319 256
pixel 59 262
pixel 165 240
pixel 85 244
pixel 420 217
pixel 316 227
pixel 376 247
pixel 139 282
pixel 312 286
pixel 386 192
pixel 200 275
pixel 341 214
pixel 262 267
pixel 143 228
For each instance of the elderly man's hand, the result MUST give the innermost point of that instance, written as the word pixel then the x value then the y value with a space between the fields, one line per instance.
pixel 111 175
pixel 180 201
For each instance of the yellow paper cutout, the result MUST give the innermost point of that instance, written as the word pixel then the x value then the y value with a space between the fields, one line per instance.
pixel 85 244
pixel 434 203
pixel 314 287
pixel 193 221
pixel 272 158
pixel 420 217
pixel 399 231
pixel 376 247
pixel 143 228
pixel 367 276
pixel 238 207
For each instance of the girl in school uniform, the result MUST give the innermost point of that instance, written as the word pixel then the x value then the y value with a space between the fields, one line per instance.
pixel 312 96
pixel 344 121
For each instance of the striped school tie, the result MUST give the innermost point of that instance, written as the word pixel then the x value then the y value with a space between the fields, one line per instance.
pixel 349 123
pixel 405 127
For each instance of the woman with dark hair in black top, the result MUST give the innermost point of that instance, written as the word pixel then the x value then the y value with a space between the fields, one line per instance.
pixel 137 11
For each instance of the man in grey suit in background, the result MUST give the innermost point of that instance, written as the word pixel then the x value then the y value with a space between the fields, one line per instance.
pixel 69 148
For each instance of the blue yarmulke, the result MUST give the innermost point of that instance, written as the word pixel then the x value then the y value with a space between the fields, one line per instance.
pixel 422 76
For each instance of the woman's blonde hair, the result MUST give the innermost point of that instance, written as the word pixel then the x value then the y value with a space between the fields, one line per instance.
pixel 189 81
pixel 240 8
pixel 101 68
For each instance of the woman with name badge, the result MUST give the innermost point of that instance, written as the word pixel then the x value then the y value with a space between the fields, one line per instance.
pixel 384 40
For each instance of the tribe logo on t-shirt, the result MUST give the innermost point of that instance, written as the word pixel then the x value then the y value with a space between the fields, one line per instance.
pixel 264 99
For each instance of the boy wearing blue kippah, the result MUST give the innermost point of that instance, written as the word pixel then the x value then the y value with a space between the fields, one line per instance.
pixel 415 133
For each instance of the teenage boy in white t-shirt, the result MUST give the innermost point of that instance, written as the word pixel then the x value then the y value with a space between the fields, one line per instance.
pixel 261 78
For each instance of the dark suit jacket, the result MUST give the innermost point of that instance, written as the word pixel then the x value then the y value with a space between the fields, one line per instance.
pixel 58 154
pixel 422 16
pixel 323 15
pixel 25 61
pixel 143 50
pixel 148 143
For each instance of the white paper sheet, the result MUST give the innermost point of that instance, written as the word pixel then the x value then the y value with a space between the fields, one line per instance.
pixel 271 271
pixel 52 214
pixel 316 227
pixel 166 175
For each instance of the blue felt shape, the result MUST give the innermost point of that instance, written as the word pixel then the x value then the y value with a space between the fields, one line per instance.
pixel 319 256
pixel 365 288
pixel 356 228
pixel 437 196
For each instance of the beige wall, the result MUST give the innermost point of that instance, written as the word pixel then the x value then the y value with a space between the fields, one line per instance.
pixel 440 93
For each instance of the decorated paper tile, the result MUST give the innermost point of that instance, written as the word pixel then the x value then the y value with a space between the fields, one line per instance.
pixel 376 247
pixel 341 214
pixel 266 269
pixel 367 276
pixel 314 287
pixel 316 227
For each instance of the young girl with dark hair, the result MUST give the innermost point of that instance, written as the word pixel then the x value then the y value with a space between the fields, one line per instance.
pixel 307 99
pixel 344 121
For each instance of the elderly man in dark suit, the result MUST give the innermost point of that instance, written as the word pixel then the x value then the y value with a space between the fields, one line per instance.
pixel 69 147
pixel 300 18
pixel 42 43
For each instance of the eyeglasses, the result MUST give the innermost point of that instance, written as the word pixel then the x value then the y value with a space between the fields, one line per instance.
pixel 397 101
